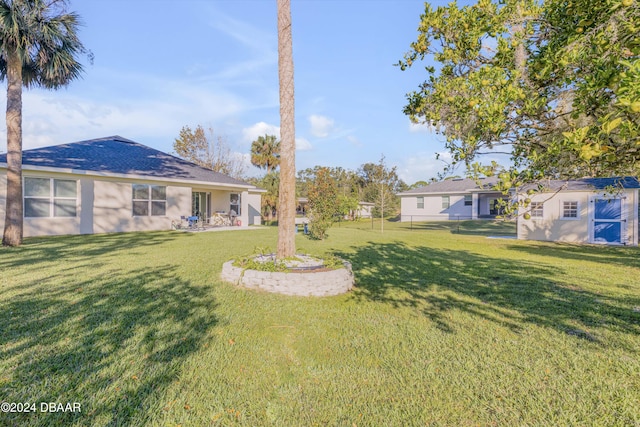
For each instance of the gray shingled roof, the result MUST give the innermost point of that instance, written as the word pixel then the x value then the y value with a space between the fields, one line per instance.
pixel 119 155
pixel 590 184
pixel 456 185
pixel 469 185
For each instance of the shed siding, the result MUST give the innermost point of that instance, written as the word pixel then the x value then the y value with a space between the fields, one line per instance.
pixel 552 227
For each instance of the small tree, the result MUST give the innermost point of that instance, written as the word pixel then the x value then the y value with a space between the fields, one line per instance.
pixel 380 186
pixel 348 205
pixel 207 150
pixel 271 183
pixel 324 203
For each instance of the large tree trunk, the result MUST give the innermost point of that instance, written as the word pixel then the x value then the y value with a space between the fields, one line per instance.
pixel 14 216
pixel 287 196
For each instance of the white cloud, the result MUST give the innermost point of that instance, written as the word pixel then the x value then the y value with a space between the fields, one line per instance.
pixel 156 109
pixel 252 133
pixel 422 166
pixel 248 35
pixel 421 127
pixel 321 126
pixel 303 144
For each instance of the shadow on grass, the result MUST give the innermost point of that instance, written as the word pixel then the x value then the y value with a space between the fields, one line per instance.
pixel 44 249
pixel 111 342
pixel 474 227
pixel 508 292
pixel 626 256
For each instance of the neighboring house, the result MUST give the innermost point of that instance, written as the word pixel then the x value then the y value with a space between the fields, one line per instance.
pixel 583 211
pixel 113 184
pixel 302 206
pixel 451 199
pixel 365 210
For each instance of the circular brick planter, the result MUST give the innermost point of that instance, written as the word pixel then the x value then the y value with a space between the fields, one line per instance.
pixel 302 283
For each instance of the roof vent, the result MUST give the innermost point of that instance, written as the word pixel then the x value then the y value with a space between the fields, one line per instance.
pixel 458 179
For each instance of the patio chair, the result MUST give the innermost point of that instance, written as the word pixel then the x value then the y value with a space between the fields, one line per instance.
pixel 193 221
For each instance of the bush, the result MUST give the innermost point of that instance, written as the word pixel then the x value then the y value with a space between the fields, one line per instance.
pixel 323 204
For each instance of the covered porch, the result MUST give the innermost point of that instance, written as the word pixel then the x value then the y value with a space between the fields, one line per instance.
pixel 486 205
pixel 224 207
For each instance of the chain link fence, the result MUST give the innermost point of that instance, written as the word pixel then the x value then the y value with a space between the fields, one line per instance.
pixel 421 223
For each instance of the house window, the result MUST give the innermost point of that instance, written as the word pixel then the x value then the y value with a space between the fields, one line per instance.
pixel 570 210
pixel 468 200
pixel 420 203
pixel 49 197
pixel 234 203
pixel 149 200
pixel 445 202
pixel 537 209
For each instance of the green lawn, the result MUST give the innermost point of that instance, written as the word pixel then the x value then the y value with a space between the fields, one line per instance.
pixel 445 328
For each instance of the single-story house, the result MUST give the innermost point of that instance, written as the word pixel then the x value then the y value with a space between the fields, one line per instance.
pixel 452 199
pixel 589 210
pixel 364 209
pixel 114 184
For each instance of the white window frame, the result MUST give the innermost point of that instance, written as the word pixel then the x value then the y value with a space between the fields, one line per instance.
pixel 563 210
pixel 447 204
pixel 239 204
pixel 149 199
pixel 468 200
pixel 51 198
pixel 420 202
pixel 536 206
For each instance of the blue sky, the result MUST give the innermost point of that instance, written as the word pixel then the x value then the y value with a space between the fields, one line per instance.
pixel 163 64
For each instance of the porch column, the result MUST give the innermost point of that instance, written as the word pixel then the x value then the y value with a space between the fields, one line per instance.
pixel 244 208
pixel 474 206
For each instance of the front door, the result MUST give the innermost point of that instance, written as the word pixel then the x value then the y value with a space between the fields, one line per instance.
pixel 607 221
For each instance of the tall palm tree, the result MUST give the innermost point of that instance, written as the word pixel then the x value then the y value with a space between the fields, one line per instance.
pixel 287 198
pixel 38 48
pixel 265 152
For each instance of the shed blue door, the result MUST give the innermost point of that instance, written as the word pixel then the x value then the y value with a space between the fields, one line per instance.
pixel 607 221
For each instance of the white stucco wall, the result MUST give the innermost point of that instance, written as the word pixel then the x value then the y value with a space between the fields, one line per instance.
pixel 552 227
pixel 113 211
pixel 254 209
pixel 105 205
pixel 433 210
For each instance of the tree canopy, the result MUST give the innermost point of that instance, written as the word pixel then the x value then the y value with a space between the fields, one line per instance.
pixel 553 84
pixel 265 152
pixel 209 151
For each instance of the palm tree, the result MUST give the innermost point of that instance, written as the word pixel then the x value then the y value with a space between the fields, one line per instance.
pixel 38 48
pixel 265 152
pixel 287 197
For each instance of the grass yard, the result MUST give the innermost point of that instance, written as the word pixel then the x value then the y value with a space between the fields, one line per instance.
pixel 445 328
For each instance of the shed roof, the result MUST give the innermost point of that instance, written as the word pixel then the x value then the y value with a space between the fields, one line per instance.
pixel 589 184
